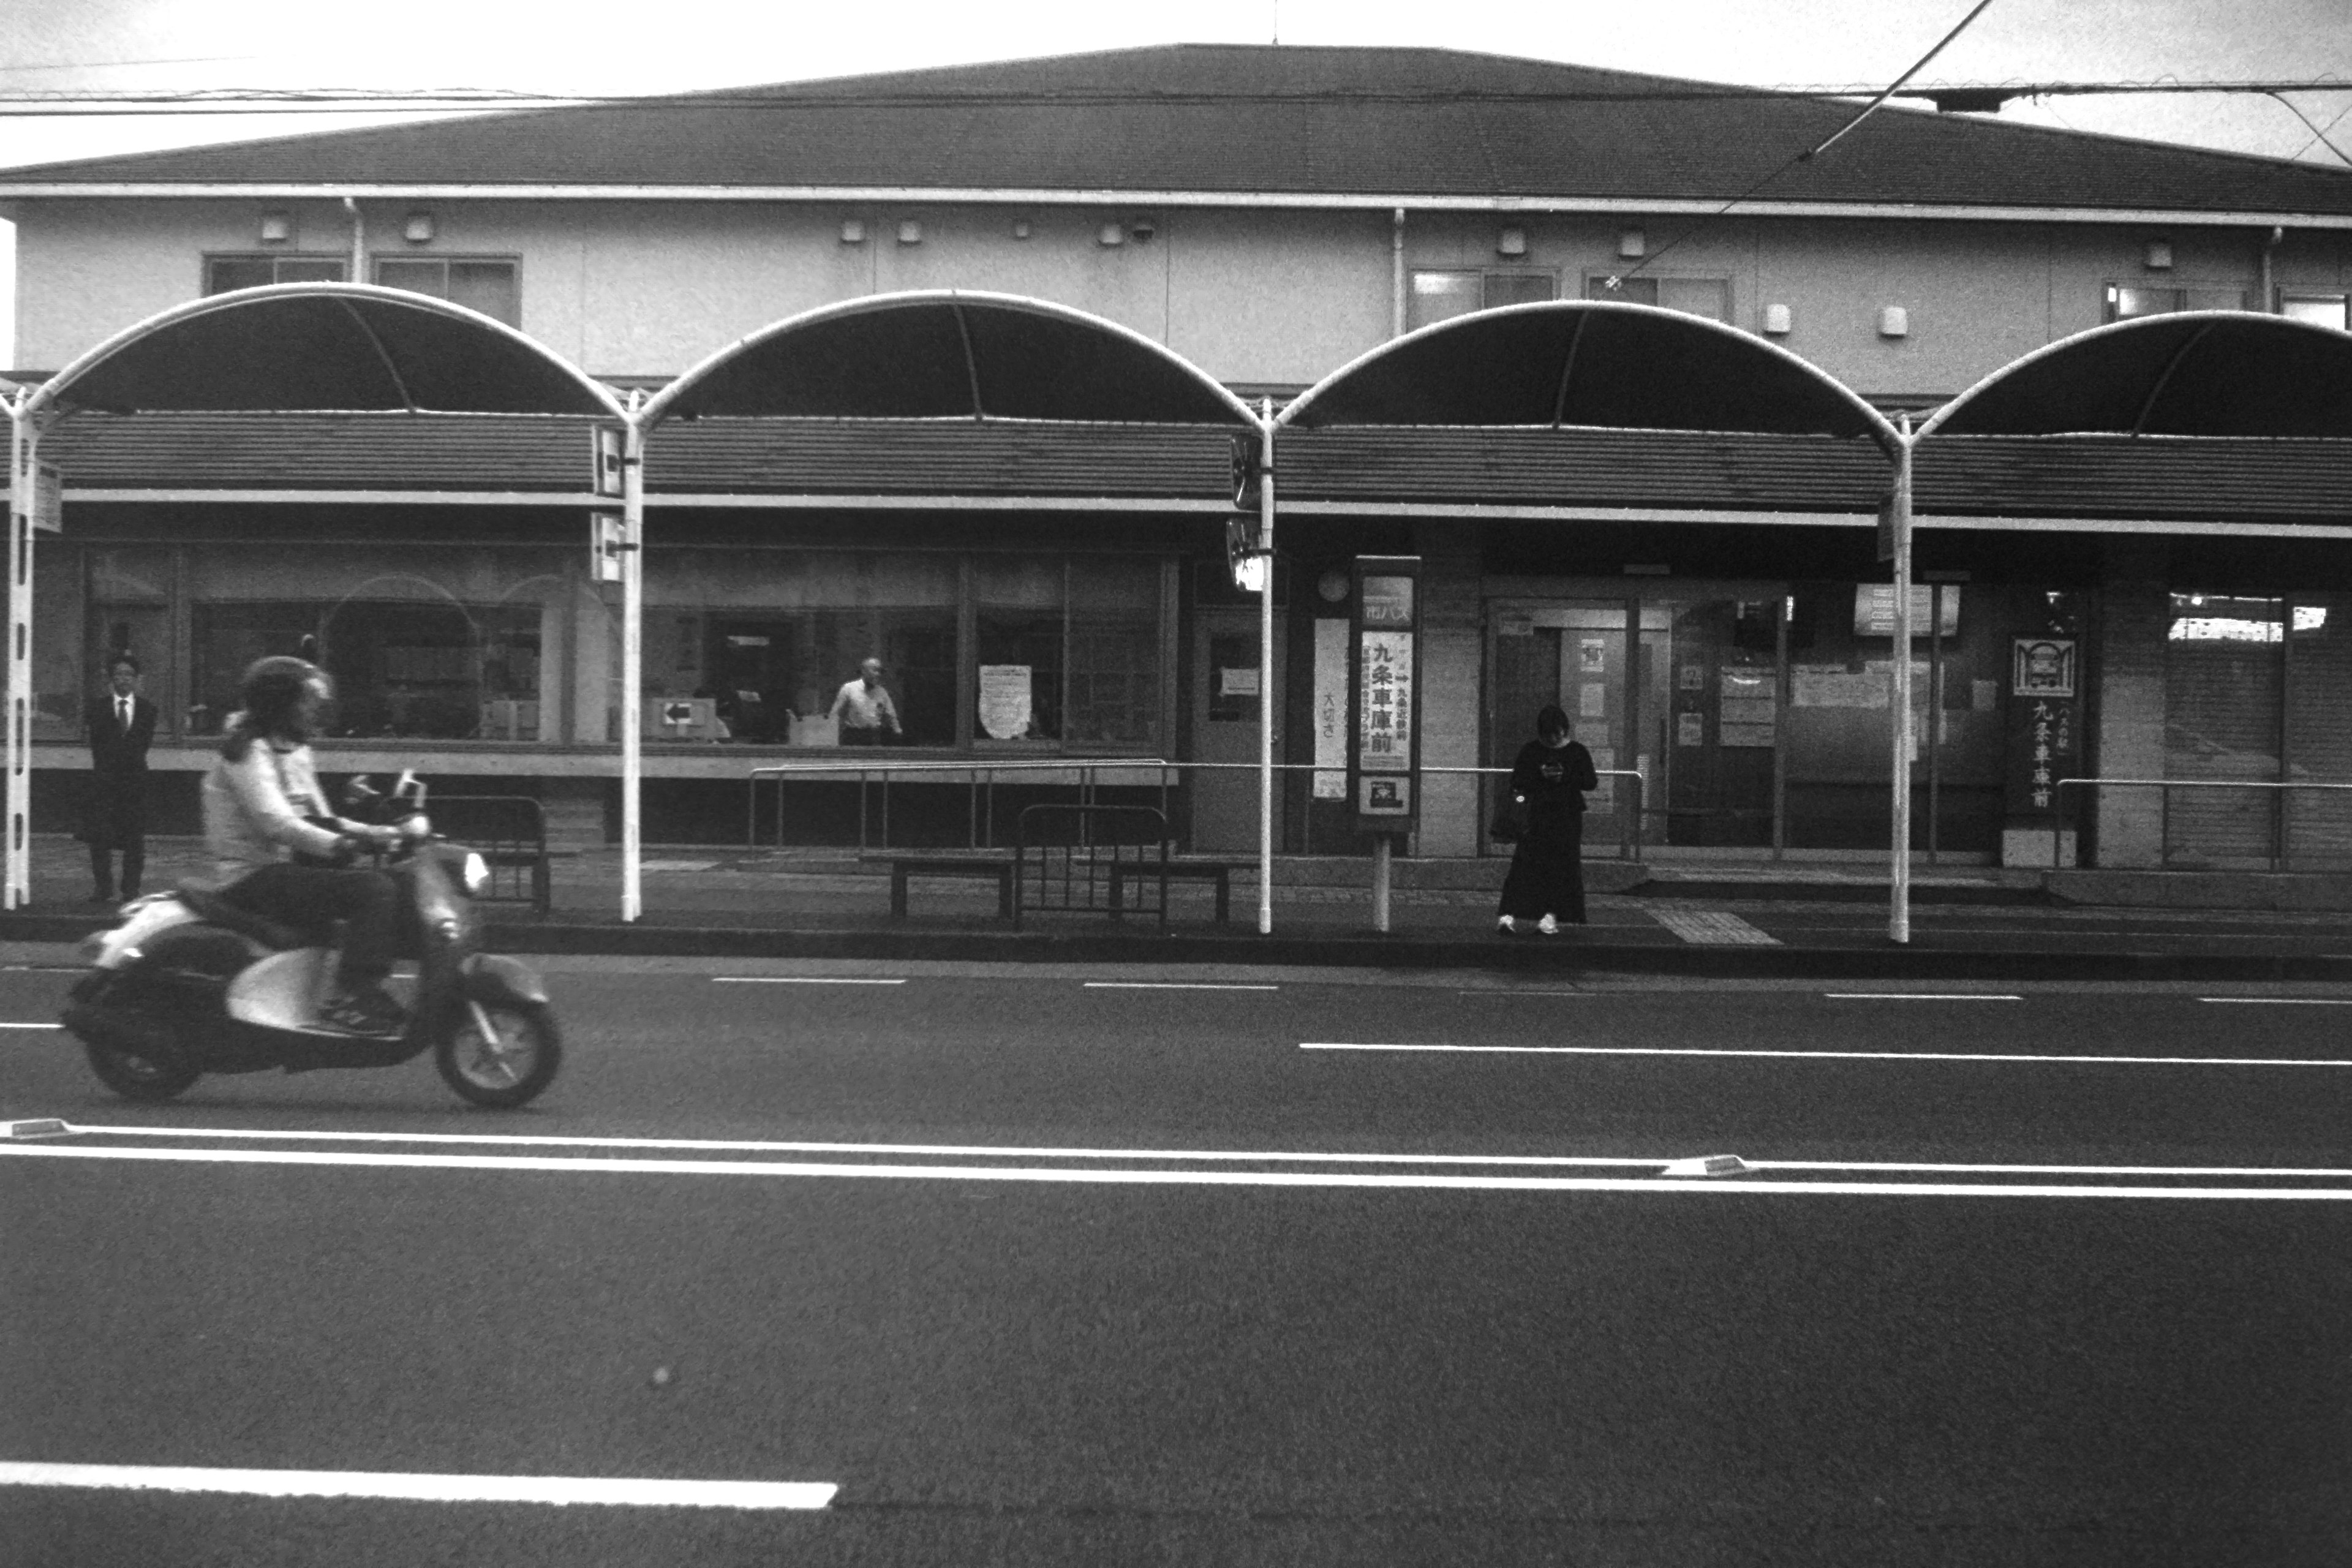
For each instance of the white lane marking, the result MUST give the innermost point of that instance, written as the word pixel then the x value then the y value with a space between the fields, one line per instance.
pixel 1720 927
pixel 8 1025
pixel 1503 992
pixel 1172 985
pixel 1840 1056
pixel 799 979
pixel 1921 996
pixel 522 1140
pixel 2282 1001
pixel 625 1489
pixel 957 1150
pixel 1112 1177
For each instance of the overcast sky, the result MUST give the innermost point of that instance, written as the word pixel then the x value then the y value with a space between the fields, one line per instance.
pixel 608 46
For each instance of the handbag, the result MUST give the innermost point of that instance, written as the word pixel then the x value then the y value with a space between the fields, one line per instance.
pixel 1509 824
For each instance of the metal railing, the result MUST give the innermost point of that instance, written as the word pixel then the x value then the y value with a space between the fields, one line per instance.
pixel 1077 869
pixel 980 778
pixel 509 832
pixel 2277 856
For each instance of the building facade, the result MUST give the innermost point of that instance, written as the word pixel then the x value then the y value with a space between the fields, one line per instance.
pixel 1043 593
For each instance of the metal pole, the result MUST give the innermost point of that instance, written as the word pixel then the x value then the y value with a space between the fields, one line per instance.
pixel 633 662
pixel 1267 694
pixel 24 444
pixel 1935 724
pixel 1380 848
pixel 1898 914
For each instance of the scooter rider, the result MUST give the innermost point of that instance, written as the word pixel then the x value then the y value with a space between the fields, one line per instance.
pixel 263 808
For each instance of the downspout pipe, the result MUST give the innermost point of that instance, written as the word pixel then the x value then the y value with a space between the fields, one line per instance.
pixel 2270 295
pixel 359 240
pixel 1396 274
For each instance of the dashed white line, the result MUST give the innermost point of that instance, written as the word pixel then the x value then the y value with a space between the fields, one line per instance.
pixel 1921 996
pixel 8 1025
pixel 2282 1001
pixel 1171 986
pixel 801 980
pixel 1838 1055
pixel 626 1490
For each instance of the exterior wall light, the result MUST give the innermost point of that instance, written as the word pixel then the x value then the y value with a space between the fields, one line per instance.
pixel 277 228
pixel 1632 242
pixel 910 233
pixel 1143 228
pixel 852 232
pixel 1110 233
pixel 1777 320
pixel 1021 229
pixel 417 228
pixel 2159 255
pixel 1511 242
pixel 1894 321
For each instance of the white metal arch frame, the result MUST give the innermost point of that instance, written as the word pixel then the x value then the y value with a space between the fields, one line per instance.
pixel 652 411
pixel 1894 441
pixel 37 406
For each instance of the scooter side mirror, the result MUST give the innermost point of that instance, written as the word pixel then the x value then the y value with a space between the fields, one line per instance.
pixel 360 795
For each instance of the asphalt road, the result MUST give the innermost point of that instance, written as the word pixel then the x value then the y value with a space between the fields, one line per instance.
pixel 1038 1266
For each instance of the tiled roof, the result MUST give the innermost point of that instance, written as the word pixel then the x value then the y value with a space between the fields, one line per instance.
pixel 1252 120
pixel 2142 477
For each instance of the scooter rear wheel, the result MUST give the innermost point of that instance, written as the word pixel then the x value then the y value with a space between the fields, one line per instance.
pixel 137 1077
pixel 512 1065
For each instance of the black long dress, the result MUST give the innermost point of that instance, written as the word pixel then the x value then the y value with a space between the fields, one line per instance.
pixel 1547 875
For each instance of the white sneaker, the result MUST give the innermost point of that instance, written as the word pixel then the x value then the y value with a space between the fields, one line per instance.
pixel 1507 923
pixel 1548 926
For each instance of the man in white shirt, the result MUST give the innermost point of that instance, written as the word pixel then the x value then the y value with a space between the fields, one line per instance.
pixel 863 708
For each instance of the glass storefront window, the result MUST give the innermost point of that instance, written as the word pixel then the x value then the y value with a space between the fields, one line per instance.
pixel 455 649
pixel 2223 680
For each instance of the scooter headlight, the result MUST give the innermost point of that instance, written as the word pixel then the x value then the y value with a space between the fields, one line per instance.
pixel 478 875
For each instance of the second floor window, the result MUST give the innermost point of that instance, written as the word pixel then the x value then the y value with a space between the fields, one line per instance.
pixel 1709 297
pixel 2126 301
pixel 493 287
pixel 1440 294
pixel 223 274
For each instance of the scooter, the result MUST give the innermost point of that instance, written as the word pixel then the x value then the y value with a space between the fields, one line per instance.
pixel 188 984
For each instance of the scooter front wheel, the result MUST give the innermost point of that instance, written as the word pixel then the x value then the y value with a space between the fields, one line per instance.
pixel 500 1055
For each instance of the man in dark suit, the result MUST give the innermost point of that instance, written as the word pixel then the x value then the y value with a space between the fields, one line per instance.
pixel 121 725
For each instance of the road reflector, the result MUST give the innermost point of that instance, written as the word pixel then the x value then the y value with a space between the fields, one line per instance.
pixel 44 1127
pixel 1709 1166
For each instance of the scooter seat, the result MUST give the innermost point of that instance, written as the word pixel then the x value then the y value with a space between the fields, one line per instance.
pixel 219 912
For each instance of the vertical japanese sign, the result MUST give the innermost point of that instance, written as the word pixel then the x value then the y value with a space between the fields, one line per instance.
pixel 1331 709
pixel 2045 728
pixel 1384 763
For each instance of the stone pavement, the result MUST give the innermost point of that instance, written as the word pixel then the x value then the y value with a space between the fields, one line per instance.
pixel 1730 918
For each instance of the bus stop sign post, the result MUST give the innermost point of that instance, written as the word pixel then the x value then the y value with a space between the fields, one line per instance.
pixel 1384 697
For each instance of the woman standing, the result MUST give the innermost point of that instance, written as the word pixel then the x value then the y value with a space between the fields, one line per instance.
pixel 1547 878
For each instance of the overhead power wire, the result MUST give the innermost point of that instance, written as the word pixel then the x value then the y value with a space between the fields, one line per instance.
pixel 2319 131
pixel 1616 282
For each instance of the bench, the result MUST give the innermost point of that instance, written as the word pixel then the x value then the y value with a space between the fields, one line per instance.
pixel 981 864
pixel 1219 871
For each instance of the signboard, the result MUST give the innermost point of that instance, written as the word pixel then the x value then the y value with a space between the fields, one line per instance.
pixel 2045 730
pixel 1384 753
pixel 605 545
pixel 1331 709
pixel 1874 609
pixel 2043 666
pixel 604 479
pixel 48 509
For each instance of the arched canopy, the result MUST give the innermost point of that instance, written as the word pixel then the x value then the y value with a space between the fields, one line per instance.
pixel 1591 363
pixel 949 354
pixel 2196 372
pixel 318 347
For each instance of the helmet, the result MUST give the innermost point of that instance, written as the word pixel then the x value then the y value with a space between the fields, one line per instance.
pixel 274 685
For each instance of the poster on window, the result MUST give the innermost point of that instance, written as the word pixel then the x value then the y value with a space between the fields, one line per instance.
pixel 1005 700
pixel 1384 738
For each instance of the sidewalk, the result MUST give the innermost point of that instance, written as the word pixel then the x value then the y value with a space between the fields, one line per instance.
pixel 1725 919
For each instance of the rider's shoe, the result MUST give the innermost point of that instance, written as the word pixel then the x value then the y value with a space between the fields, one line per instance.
pixel 368 1011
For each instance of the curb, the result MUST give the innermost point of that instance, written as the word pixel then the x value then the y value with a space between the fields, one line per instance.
pixel 1363 952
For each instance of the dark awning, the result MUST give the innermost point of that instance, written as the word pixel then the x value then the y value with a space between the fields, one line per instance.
pixel 2202 373
pixel 319 347
pixel 949 354
pixel 1592 363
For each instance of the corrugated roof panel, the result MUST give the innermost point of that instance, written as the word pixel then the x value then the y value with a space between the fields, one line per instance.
pixel 2206 478
pixel 320 451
